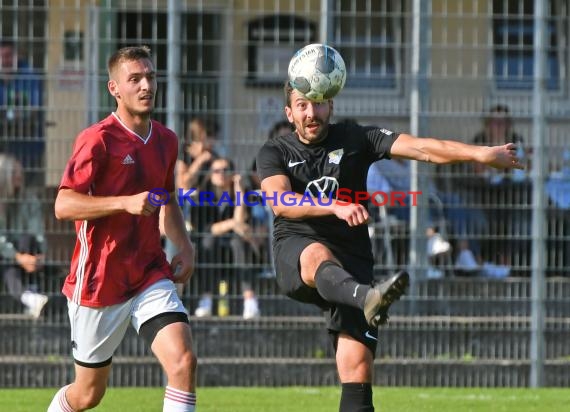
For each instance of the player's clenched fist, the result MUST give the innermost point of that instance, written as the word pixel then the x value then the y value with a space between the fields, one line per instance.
pixel 352 213
pixel 140 204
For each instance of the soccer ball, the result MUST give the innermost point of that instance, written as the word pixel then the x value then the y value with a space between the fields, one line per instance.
pixel 317 71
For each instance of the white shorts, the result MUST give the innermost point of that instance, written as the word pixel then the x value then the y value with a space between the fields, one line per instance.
pixel 97 332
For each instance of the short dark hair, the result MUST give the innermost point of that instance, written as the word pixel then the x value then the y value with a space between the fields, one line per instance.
pixel 498 111
pixel 287 90
pixel 127 54
pixel 230 162
pixel 209 125
pixel 499 108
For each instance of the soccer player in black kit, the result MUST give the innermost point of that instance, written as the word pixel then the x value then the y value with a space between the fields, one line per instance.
pixel 323 254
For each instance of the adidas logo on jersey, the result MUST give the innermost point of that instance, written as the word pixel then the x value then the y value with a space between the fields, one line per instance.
pixel 128 160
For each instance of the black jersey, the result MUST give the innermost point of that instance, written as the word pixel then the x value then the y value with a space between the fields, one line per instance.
pixel 338 164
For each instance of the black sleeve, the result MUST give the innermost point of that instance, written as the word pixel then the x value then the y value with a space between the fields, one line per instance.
pixel 270 161
pixel 380 142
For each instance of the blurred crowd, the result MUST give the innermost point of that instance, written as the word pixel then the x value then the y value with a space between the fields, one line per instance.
pixel 478 218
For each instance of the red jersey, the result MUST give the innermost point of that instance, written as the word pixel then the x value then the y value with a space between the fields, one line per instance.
pixel 117 256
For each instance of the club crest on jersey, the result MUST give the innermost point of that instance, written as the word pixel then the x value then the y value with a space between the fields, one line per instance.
pixel 326 186
pixel 335 156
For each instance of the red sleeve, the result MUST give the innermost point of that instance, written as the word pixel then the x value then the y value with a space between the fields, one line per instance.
pixel 172 140
pixel 169 184
pixel 84 163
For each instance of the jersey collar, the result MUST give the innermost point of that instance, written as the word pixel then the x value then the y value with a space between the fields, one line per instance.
pixel 144 139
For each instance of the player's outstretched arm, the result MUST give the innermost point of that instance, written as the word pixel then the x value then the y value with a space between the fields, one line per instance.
pixel 71 205
pixel 450 151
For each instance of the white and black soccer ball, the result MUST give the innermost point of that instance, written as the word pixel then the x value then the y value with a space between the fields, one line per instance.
pixel 317 71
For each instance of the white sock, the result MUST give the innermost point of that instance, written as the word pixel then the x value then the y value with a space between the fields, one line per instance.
pixel 176 400
pixel 59 402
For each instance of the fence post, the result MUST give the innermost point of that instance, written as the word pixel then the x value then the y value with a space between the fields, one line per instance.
pixel 419 96
pixel 173 85
pixel 538 210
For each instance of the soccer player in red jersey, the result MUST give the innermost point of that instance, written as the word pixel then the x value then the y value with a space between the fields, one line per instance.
pixel 119 273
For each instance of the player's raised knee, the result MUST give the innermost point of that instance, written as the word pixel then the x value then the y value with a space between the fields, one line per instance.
pixel 316 253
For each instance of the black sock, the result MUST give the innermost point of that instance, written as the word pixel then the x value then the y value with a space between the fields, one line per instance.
pixel 336 285
pixel 356 397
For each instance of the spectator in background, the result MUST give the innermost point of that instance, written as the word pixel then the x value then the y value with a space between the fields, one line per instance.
pixel 451 216
pixel 21 235
pixel 497 130
pixel 223 235
pixel 491 189
pixel 191 171
pixel 21 117
pixel 494 188
pixel 200 139
pixel 394 176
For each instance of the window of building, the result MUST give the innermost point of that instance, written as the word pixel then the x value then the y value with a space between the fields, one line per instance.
pixel 369 35
pixel 200 58
pixel 513 51
pixel 272 41
pixel 26 26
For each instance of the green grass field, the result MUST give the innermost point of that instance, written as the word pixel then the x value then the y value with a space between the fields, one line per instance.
pixel 313 399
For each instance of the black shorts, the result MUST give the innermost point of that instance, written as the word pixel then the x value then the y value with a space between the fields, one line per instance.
pixel 340 318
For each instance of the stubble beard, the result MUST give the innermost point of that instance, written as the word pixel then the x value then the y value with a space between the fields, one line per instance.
pixel 320 136
pixel 144 114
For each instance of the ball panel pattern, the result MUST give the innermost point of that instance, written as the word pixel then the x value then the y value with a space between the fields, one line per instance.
pixel 317 71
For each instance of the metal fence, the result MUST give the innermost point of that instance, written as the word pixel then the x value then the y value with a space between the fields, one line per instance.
pixel 489 251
